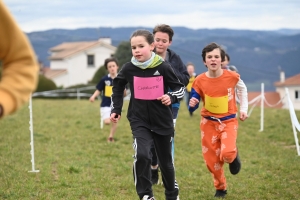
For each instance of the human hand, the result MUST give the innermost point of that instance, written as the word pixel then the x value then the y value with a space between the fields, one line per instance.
pixel 114 117
pixel 165 99
pixel 243 116
pixel 92 99
pixel 193 102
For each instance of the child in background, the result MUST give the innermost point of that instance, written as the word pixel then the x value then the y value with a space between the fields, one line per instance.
pixel 226 61
pixel 105 87
pixel 219 124
pixel 191 70
pixel 149 112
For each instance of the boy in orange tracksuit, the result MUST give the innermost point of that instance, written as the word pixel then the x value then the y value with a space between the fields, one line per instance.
pixel 219 124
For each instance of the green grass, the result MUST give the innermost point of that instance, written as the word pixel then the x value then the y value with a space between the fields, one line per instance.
pixel 76 162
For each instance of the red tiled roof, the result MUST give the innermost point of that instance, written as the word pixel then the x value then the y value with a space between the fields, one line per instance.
pixel 294 80
pixel 66 49
pixel 52 73
pixel 271 97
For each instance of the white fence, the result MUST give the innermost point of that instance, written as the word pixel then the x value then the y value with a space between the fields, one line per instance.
pixel 77 92
pixel 295 123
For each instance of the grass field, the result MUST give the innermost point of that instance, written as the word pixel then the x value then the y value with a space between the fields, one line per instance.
pixel 76 162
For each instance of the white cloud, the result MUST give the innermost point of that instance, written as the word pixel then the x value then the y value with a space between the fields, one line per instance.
pixel 33 15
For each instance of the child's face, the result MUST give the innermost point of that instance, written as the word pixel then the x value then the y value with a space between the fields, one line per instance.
pixel 141 49
pixel 213 60
pixel 112 67
pixel 190 69
pixel 225 62
pixel 161 42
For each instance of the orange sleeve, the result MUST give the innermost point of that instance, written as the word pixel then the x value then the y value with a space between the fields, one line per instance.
pixel 19 64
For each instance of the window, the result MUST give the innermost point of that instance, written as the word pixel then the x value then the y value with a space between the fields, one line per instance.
pixel 90 60
pixel 297 94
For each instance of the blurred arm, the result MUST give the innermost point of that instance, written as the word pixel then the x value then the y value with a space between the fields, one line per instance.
pixel 19 65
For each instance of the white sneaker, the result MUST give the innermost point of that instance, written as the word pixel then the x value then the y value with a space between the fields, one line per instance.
pixel 146 197
pixel 178 198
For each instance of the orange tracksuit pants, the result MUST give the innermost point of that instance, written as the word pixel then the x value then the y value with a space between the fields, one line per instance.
pixel 218 146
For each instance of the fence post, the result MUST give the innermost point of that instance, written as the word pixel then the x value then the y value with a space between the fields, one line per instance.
pixel 78 96
pixel 262 108
pixel 31 136
pixel 291 109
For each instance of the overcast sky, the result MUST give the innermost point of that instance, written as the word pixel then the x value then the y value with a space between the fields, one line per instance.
pixel 37 15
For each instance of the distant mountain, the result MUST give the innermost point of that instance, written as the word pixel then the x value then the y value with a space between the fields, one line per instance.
pixel 256 54
pixel 288 31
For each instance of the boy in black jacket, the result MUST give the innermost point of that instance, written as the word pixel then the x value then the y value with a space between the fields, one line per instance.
pixel 163 37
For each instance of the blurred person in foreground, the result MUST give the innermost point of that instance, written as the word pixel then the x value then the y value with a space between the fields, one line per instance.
pixel 19 65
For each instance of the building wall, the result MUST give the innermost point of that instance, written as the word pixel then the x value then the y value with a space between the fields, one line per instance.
pixel 291 89
pixel 58 64
pixel 60 80
pixel 78 71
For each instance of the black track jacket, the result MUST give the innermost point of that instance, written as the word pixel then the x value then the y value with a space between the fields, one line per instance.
pixel 151 114
pixel 179 67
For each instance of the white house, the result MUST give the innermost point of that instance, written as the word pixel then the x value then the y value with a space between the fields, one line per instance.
pixel 73 63
pixel 293 85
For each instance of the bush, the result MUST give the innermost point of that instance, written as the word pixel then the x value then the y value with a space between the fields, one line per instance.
pixel 45 84
pixel 99 74
pixel 123 53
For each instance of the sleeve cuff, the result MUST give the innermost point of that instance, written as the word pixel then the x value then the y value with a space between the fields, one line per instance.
pixel 7 104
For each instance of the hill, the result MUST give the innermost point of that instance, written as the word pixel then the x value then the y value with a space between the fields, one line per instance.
pixel 256 54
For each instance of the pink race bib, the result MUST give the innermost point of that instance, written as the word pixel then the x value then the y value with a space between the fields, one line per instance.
pixel 148 88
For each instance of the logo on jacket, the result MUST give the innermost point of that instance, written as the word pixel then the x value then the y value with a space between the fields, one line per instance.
pixel 107 82
pixel 156 73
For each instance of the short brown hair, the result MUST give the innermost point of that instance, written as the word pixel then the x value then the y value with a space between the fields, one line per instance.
pixel 107 60
pixel 190 63
pixel 165 29
pixel 210 48
pixel 146 34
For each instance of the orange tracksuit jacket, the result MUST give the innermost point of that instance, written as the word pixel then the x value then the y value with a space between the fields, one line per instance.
pixel 218 124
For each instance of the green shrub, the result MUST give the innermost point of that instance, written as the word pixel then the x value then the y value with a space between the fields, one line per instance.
pixel 99 74
pixel 123 53
pixel 45 84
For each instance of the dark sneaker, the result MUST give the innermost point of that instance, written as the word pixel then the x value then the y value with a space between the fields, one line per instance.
pixel 235 166
pixel 220 193
pixel 146 197
pixel 154 176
